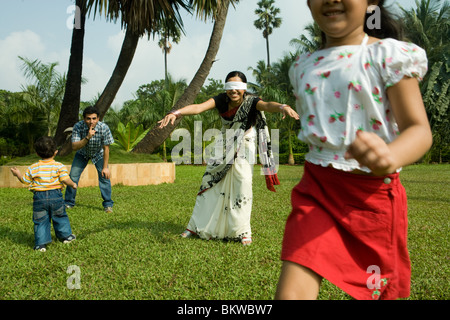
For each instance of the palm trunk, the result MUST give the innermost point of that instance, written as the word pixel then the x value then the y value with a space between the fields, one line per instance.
pixel 123 63
pixel 70 106
pixel 268 52
pixel 166 80
pixel 156 136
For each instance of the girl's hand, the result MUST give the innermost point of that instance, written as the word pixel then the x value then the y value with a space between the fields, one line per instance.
pixel 168 118
pixel 372 152
pixel 288 111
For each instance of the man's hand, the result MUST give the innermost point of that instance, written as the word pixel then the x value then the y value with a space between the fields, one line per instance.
pixel 106 173
pixel 91 132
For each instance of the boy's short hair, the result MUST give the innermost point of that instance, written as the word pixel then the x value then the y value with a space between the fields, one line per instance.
pixel 90 110
pixel 45 147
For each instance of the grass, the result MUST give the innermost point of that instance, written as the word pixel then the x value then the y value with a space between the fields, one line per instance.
pixel 136 252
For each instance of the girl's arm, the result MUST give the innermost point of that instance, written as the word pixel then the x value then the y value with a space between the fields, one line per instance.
pixel 277 107
pixel 188 110
pixel 415 137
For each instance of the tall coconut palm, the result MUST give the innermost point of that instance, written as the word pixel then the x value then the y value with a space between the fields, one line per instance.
pixel 267 21
pixel 71 101
pixel 157 136
pixel 165 43
pixel 138 18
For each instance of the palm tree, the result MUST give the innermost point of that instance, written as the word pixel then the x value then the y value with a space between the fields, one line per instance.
pixel 267 21
pixel 274 85
pixel 152 102
pixel 303 44
pixel 165 44
pixel 429 27
pixel 262 74
pixel 138 18
pixel 46 91
pixel 71 102
pixel 126 55
pixel 157 136
pixel 21 120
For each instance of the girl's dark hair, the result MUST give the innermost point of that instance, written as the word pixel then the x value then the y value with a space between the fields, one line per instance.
pixel 236 74
pixel 391 26
pixel 45 147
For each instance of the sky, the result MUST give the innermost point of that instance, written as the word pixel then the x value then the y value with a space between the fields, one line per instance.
pixel 40 30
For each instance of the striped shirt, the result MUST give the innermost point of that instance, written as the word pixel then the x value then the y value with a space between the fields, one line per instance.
pixel 45 175
pixel 94 148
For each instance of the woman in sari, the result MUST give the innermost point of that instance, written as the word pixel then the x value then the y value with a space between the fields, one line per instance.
pixel 224 202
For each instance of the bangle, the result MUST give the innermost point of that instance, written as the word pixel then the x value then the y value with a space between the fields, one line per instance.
pixel 87 138
pixel 282 106
pixel 176 113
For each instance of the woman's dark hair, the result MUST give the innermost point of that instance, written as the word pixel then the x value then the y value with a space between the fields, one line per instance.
pixel 252 114
pixel 45 147
pixel 236 74
pixel 90 110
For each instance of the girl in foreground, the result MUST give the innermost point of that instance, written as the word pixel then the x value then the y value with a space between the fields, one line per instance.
pixel 363 117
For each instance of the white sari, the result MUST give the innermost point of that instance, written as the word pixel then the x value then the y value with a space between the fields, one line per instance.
pixel 223 211
pixel 224 202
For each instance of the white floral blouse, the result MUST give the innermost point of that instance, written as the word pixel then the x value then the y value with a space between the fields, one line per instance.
pixel 342 90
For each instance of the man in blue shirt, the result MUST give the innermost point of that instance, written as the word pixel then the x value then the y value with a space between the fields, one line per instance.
pixel 91 139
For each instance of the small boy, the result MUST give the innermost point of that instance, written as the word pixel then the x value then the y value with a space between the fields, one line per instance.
pixel 46 178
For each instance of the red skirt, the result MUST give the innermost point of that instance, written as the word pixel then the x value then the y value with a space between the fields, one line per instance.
pixel 352 230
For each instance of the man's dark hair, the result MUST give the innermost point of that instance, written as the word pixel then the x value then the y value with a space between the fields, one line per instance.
pixel 90 110
pixel 45 147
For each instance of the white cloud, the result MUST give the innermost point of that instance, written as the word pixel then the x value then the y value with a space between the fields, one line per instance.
pixel 21 43
pixel 96 78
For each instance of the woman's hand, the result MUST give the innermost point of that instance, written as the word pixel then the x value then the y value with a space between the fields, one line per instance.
pixel 288 111
pixel 165 121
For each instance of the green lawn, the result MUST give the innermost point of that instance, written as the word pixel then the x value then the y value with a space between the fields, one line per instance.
pixel 136 252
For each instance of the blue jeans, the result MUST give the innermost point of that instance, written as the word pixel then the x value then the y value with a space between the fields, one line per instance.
pixel 78 165
pixel 49 205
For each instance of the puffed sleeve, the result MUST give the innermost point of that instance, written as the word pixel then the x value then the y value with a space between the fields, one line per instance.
pixel 398 59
